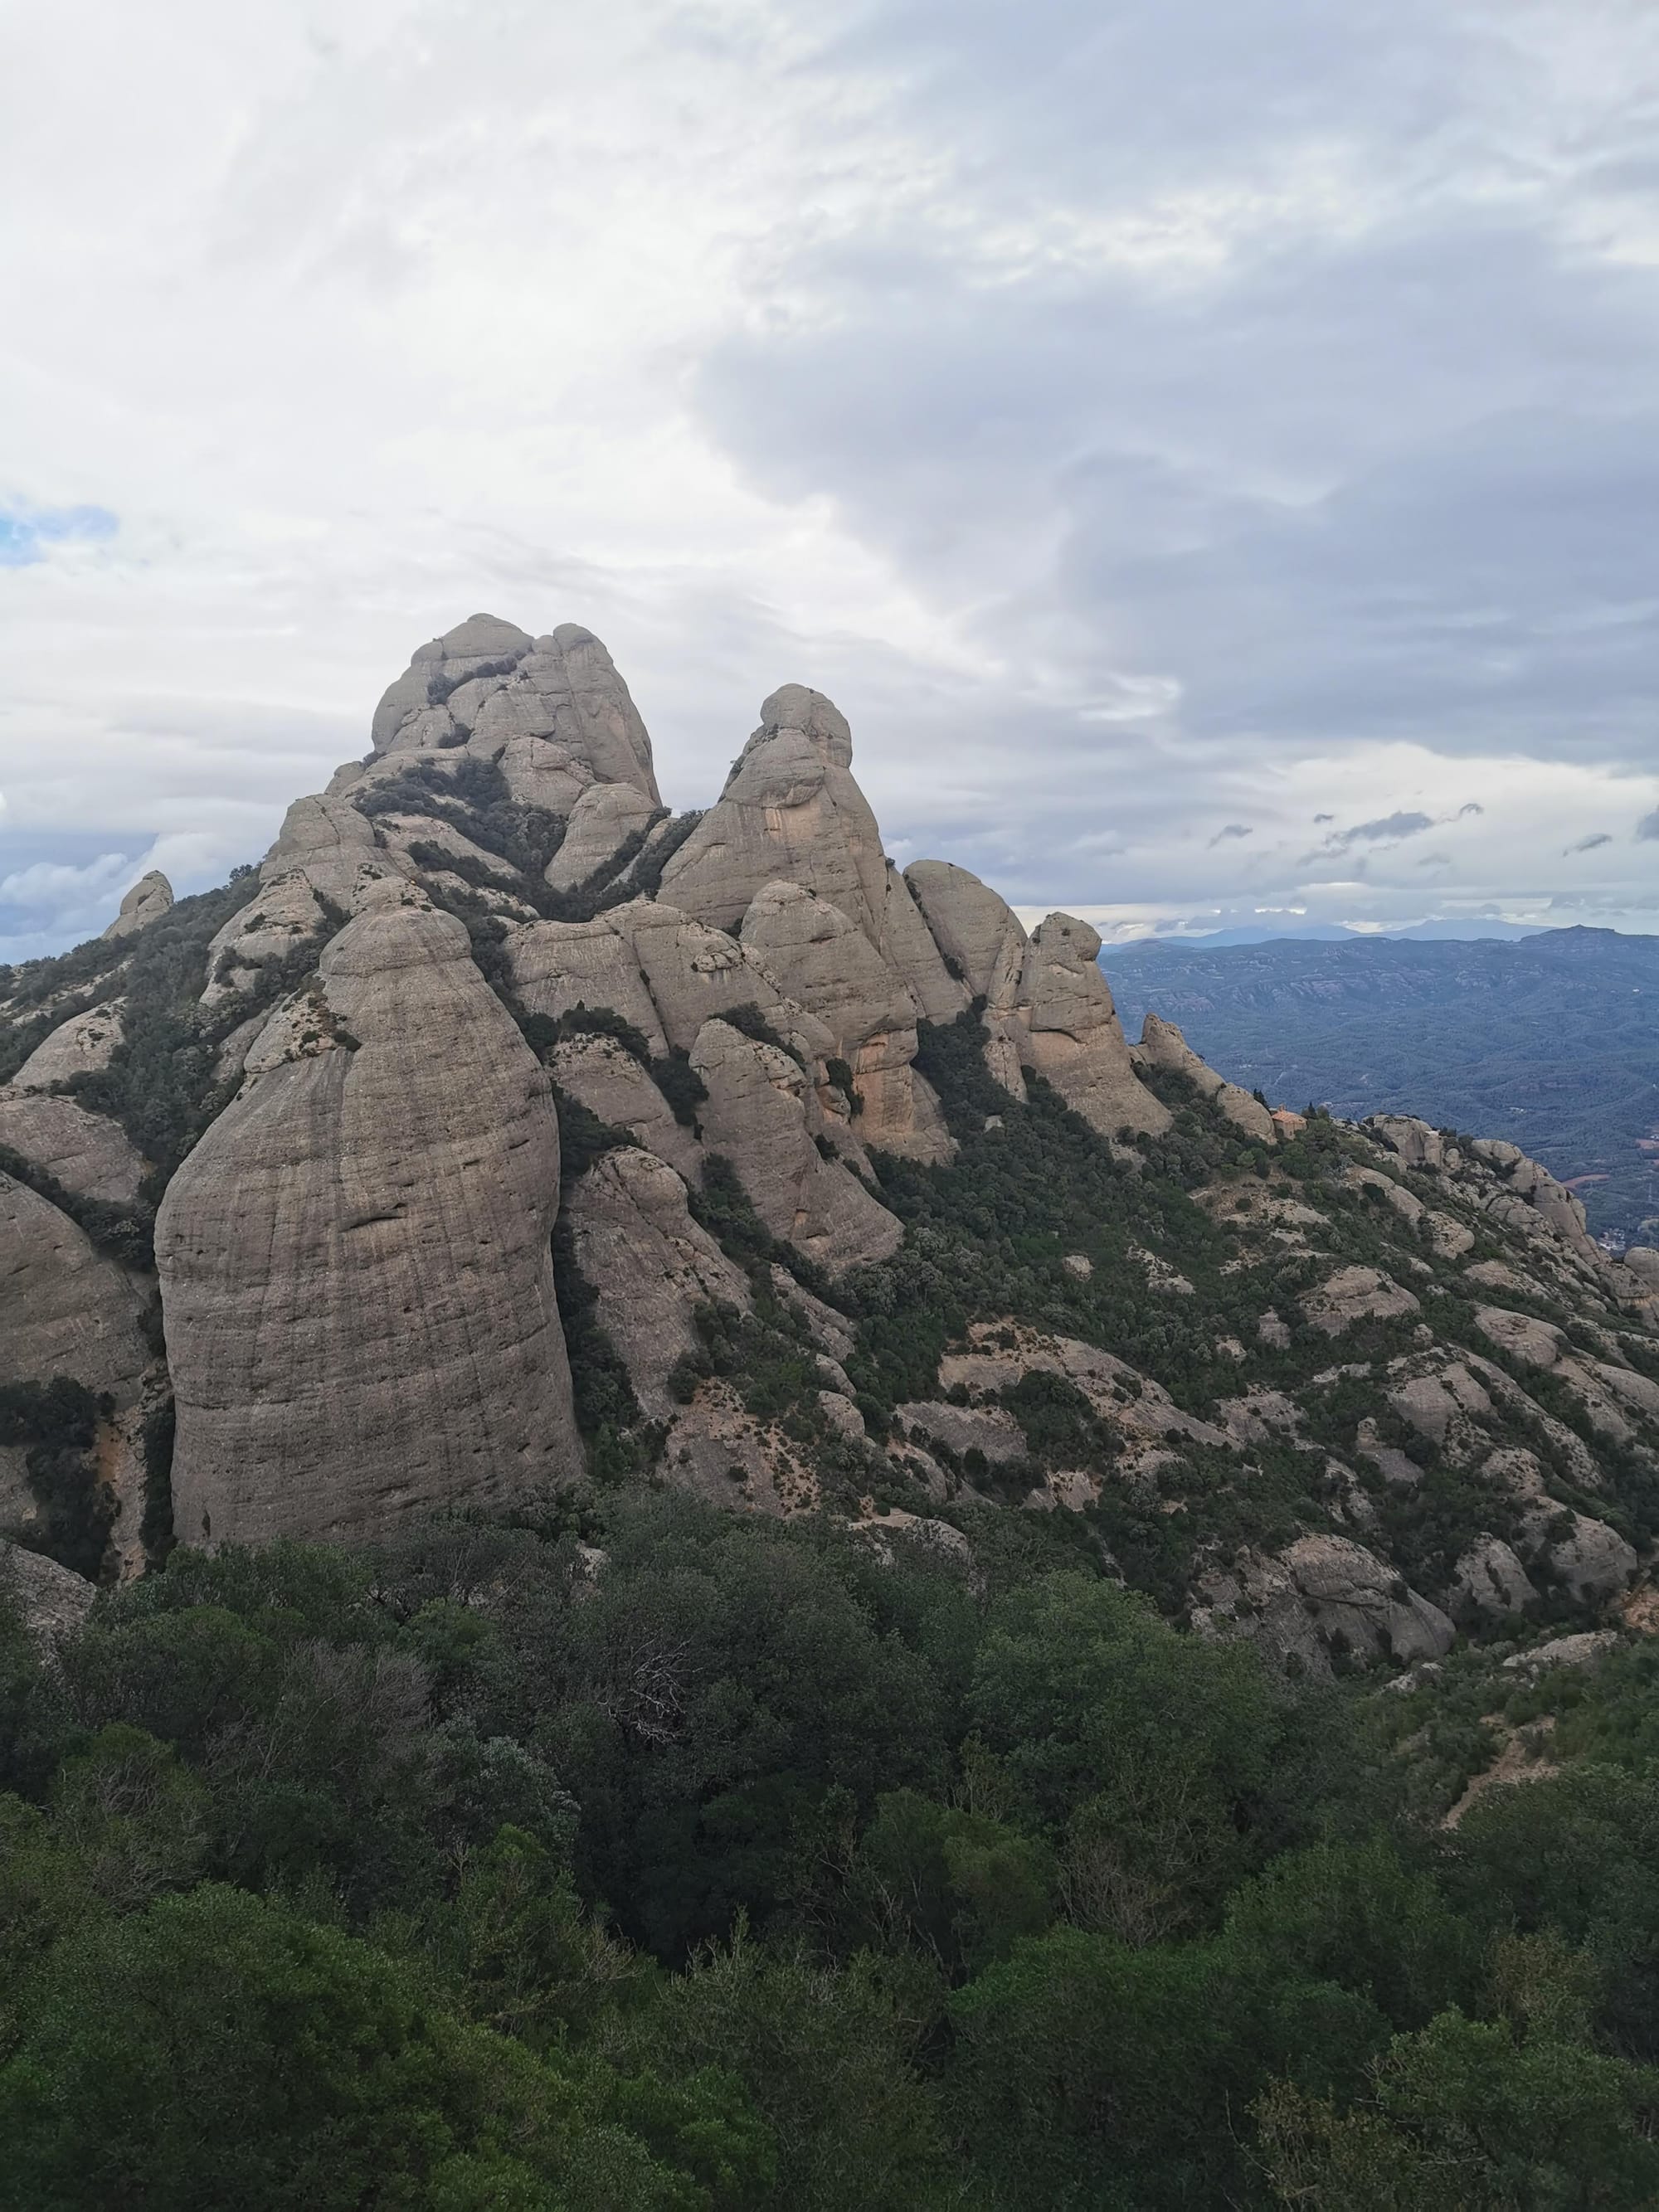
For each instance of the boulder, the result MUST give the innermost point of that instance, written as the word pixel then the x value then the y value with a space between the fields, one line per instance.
pixel 575 682
pixel 1592 1559
pixel 414 709
pixel 539 772
pixel 489 686
pixel 821 959
pixel 64 1310
pixel 51 1601
pixel 884 1531
pixel 1582 1649
pixel 556 966
pixel 962 1429
pixel 609 1082
pixel 1406 1203
pixel 978 934
pixel 330 845
pixel 830 1331
pixel 1353 1596
pixel 67 1311
pixel 695 973
pixel 285 915
pixel 150 897
pixel 1355 1294
pixel 907 946
pixel 1624 1383
pixel 355 1259
pixel 1449 1237
pixel 1533 1343
pixel 1490 1582
pixel 1419 1145
pixel 1255 1599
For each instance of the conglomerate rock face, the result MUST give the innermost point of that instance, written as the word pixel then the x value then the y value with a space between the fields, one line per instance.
pixel 495 1055
pixel 490 686
pixel 355 1262
pixel 147 902
pixel 66 1310
pixel 790 810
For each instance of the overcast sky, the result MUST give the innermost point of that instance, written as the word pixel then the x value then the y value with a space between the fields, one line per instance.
pixel 1209 449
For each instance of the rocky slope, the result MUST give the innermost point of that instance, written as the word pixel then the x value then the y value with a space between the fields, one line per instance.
pixel 504 1132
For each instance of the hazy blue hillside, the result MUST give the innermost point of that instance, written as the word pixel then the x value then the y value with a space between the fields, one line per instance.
pixel 1553 1041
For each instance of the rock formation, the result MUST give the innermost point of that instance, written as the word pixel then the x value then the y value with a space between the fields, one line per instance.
pixel 1162 1045
pixel 769 1051
pixel 489 686
pixel 51 1599
pixel 635 1239
pixel 1075 1038
pixel 790 810
pixel 88 1153
pixel 66 1310
pixel 147 902
pixel 758 1115
pixel 356 1271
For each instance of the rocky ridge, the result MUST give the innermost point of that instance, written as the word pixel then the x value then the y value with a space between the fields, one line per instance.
pixel 504 1131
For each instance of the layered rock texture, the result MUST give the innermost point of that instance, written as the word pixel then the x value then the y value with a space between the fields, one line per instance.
pixel 147 902
pixel 506 1131
pixel 355 1259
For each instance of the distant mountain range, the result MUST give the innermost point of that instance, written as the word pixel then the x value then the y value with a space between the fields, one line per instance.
pixel 1332 932
pixel 1551 1039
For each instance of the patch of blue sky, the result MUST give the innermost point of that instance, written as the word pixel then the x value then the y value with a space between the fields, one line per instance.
pixel 27 531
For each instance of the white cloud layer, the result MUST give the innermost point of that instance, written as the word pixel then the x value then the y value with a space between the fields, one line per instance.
pixel 1151 425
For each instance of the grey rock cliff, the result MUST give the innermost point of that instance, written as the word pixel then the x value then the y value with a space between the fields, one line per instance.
pixel 602 821
pixel 88 1153
pixel 355 1259
pixel 822 959
pixel 756 1116
pixel 652 1266
pixel 67 1311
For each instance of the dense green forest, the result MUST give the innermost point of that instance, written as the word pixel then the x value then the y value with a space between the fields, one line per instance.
pixel 641 1854
pixel 1552 1042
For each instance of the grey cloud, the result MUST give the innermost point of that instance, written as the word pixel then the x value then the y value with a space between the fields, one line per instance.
pixel 1231 829
pixel 1390 473
pixel 1587 844
pixel 1649 825
pixel 1221 393
pixel 1388 827
pixel 1060 86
